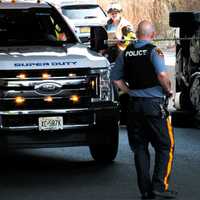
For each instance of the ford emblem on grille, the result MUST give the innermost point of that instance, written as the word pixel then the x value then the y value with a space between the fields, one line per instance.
pixel 48 88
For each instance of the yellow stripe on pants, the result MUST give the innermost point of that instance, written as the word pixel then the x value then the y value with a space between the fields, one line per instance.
pixel 169 165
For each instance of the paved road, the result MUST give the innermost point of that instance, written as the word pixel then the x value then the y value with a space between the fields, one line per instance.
pixel 70 173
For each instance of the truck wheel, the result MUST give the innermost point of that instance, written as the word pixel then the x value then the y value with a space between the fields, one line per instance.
pixel 195 47
pixel 180 62
pixel 195 93
pixel 105 149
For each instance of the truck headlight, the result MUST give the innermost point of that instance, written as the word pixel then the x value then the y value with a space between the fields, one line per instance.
pixel 104 84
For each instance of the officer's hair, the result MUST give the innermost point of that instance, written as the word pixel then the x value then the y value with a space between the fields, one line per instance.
pixel 145 28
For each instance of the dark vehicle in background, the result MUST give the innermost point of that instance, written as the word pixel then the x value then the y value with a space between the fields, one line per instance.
pixel 187 61
pixel 54 91
pixel 84 14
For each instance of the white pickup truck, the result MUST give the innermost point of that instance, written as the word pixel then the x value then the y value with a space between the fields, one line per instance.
pixel 83 14
pixel 54 91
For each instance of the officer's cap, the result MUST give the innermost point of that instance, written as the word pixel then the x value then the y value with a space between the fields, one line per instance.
pixel 114 7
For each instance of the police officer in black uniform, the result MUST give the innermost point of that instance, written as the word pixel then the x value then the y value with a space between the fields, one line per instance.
pixel 140 71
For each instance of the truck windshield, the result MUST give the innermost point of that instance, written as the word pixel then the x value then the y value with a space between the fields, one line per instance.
pixel 83 12
pixel 34 27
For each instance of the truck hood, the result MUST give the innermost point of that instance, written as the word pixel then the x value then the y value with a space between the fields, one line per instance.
pixel 48 57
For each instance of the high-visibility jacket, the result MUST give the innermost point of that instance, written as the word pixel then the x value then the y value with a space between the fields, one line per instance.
pixel 123 33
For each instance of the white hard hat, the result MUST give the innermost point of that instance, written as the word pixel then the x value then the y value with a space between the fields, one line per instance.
pixel 114 7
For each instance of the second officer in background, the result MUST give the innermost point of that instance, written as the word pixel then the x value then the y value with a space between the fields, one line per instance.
pixel 120 31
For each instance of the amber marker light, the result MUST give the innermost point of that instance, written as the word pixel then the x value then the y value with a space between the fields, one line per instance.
pixel 75 98
pixel 93 84
pixel 48 99
pixel 22 76
pixel 46 76
pixel 19 100
pixel 13 1
pixel 72 75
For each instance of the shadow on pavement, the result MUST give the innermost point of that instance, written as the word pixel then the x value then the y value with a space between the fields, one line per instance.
pixel 27 164
pixel 51 174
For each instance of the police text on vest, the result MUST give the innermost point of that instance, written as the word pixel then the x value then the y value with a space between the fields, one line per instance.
pixel 136 53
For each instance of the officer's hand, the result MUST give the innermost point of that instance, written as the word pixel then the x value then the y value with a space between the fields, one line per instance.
pixel 169 94
pixel 121 45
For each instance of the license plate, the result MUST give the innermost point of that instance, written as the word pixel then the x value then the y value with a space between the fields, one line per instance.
pixel 85 30
pixel 50 123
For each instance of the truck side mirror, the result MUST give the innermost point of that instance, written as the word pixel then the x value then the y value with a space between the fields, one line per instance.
pixel 98 38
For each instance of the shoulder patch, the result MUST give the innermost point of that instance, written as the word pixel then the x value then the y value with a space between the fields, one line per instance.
pixel 159 52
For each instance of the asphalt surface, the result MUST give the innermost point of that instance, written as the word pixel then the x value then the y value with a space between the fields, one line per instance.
pixel 70 173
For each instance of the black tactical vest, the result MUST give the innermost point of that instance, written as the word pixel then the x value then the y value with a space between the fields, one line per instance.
pixel 139 70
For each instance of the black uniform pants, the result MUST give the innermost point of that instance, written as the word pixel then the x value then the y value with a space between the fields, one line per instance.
pixel 149 122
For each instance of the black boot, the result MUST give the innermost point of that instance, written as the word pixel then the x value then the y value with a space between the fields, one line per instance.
pixel 169 194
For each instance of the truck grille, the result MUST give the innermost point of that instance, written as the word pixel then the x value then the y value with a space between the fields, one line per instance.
pixel 35 104
pixel 60 86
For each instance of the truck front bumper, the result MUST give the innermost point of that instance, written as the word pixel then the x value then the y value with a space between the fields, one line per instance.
pixel 21 128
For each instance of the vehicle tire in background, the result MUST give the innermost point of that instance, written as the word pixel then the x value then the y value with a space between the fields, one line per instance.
pixel 195 92
pixel 180 62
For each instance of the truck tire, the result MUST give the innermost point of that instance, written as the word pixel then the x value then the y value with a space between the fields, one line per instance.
pixel 182 19
pixel 195 93
pixel 178 69
pixel 106 148
pixel 194 49
pixel 181 63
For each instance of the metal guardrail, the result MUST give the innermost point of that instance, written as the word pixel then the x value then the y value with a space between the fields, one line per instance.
pixel 113 42
pixel 176 39
pixel 156 40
